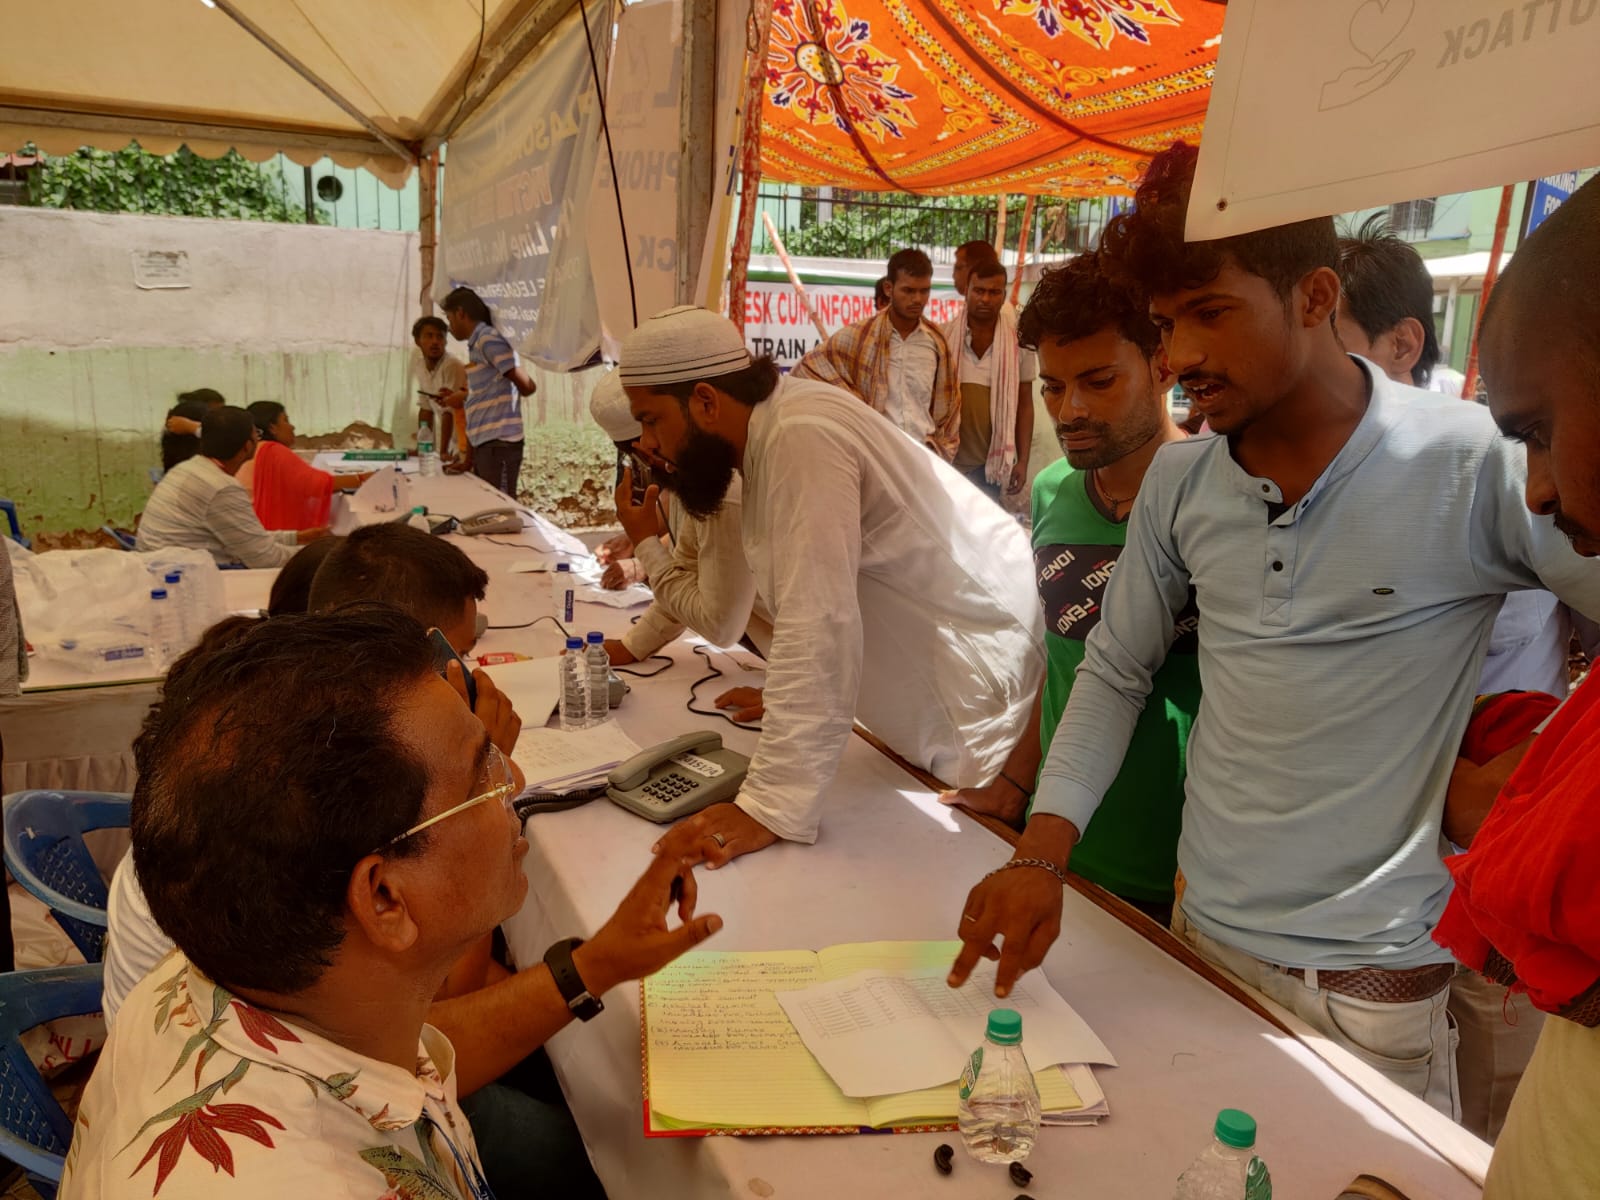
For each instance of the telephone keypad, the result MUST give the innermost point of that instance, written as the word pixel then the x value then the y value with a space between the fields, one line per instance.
pixel 668 788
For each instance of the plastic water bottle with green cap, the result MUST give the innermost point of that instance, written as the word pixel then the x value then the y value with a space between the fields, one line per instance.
pixel 999 1109
pixel 1229 1169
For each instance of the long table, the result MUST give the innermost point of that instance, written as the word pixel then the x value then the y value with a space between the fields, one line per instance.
pixel 892 863
pixel 70 730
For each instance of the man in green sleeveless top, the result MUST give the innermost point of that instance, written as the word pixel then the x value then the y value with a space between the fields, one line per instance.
pixel 1104 385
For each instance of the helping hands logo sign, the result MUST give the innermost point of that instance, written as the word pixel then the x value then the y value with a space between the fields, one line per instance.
pixel 1375 26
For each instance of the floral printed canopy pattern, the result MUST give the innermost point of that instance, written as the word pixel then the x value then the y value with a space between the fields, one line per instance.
pixel 1061 97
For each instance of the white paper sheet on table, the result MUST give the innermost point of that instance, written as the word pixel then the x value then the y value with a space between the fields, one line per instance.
pixel 386 492
pixel 533 687
pixel 877 1033
pixel 1094 1110
pixel 588 573
pixel 553 760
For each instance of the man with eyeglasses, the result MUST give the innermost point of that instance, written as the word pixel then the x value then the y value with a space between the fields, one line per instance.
pixel 321 864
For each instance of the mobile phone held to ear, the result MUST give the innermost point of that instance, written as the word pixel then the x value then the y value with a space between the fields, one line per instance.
pixel 641 473
pixel 443 655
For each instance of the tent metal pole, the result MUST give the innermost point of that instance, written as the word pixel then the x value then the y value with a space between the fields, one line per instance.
pixel 1469 386
pixel 316 81
pixel 758 35
pixel 697 149
pixel 427 226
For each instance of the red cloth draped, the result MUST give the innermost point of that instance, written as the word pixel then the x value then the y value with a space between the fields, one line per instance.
pixel 1504 721
pixel 1530 885
pixel 288 492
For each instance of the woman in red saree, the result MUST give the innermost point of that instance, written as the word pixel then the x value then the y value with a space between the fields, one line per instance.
pixel 287 491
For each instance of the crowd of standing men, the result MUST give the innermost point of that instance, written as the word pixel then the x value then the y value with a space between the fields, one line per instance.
pixel 1251 660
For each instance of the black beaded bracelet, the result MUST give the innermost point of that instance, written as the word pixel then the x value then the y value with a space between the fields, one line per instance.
pixel 1015 784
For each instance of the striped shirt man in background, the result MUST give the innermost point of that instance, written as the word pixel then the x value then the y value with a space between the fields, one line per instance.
pixel 496 384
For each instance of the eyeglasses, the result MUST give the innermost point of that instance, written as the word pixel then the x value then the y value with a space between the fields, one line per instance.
pixel 502 787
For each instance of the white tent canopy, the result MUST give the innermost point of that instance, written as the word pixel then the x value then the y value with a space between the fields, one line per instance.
pixel 370 83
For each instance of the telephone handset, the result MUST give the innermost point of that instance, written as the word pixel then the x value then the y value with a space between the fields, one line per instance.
pixel 678 777
pixel 491 520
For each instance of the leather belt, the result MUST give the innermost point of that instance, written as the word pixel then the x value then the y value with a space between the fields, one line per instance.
pixel 1385 987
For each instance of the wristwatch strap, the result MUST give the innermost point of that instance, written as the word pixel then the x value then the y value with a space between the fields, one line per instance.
pixel 562 969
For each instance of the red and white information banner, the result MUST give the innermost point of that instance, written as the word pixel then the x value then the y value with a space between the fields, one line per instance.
pixel 776 324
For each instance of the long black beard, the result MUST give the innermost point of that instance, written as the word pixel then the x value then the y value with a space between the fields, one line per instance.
pixel 702 472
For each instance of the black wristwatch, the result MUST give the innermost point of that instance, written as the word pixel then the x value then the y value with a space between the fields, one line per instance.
pixel 565 972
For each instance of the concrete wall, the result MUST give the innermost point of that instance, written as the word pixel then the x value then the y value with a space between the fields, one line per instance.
pixel 318 319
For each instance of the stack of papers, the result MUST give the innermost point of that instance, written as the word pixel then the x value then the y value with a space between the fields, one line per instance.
pixel 558 763
pixel 881 1031
pixel 765 1042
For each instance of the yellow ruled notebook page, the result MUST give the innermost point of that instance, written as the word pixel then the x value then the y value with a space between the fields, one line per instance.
pixel 721 1051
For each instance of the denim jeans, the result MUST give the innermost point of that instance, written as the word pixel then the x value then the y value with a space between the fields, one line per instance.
pixel 1413 1044
pixel 527 1139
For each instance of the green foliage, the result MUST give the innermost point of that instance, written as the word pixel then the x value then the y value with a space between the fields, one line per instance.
pixel 178 184
pixel 875 225
pixel 870 231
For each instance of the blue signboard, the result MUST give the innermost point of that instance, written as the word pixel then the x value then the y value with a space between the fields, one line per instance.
pixel 1548 193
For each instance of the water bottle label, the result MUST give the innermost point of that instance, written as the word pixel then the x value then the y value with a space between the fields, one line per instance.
pixel 969 1076
pixel 566 606
pixel 1257 1183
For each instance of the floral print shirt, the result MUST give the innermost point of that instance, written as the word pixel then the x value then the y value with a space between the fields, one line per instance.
pixel 199 1094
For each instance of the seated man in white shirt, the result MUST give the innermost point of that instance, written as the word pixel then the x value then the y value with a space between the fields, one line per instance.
pixel 199 504
pixel 898 593
pixel 897 361
pixel 321 865
pixel 700 578
pixel 436 375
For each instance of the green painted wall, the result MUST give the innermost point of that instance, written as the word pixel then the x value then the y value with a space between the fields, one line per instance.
pixel 79 428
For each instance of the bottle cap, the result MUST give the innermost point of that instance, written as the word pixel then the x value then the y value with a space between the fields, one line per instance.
pixel 174 577
pixel 1235 1128
pixel 1005 1026
pixel 596 639
pixel 158 593
pixel 563 566
pixel 574 643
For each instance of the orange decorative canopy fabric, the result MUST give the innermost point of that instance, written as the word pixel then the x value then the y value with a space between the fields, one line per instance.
pixel 1060 97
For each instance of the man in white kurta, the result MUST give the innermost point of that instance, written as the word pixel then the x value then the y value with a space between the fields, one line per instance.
pixel 899 595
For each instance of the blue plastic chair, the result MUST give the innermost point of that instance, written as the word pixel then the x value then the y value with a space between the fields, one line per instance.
pixel 122 537
pixel 45 853
pixel 34 1131
pixel 10 510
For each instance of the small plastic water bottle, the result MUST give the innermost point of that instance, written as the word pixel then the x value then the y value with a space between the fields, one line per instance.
pixel 574 687
pixel 427 456
pixel 163 629
pixel 1228 1169
pixel 101 653
pixel 419 519
pixel 184 618
pixel 561 595
pixel 599 678
pixel 999 1101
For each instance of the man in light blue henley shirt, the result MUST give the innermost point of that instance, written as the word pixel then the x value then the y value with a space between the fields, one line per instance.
pixel 1349 540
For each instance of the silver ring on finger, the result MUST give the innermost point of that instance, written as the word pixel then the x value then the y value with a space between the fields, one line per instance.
pixel 722 842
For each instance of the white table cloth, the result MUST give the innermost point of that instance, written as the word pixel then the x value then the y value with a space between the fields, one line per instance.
pixel 68 730
pixel 894 864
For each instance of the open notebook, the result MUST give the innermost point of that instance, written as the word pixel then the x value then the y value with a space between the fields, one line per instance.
pixel 720 1056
